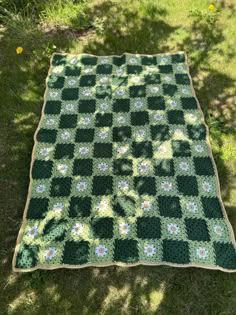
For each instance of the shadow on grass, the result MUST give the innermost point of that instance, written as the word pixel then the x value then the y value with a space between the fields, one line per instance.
pixel 138 290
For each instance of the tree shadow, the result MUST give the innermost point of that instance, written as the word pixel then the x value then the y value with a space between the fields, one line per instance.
pixel 116 290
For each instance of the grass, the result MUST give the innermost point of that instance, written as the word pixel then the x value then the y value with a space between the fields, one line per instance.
pixel 111 27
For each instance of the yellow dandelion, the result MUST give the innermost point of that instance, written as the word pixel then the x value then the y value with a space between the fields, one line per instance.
pixel 19 50
pixel 211 7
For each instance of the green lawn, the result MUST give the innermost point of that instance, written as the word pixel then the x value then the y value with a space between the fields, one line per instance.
pixel 111 27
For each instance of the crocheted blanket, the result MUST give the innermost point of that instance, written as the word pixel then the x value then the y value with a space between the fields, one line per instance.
pixel 122 171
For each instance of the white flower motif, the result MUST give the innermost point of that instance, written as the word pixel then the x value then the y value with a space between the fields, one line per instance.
pixel 172 103
pixel 136 79
pixel 33 231
pixel 202 252
pixel 83 150
pixel 149 250
pixel 119 72
pixel 50 253
pixel 81 186
pixel 62 168
pixel 218 230
pixel 53 94
pixel 101 250
pixel 77 229
pixel 50 122
pixel 166 186
pixel 207 187
pixel 104 106
pixel 146 205
pixel 58 207
pixel 44 151
pixel 192 117
pixel 179 68
pixel 102 205
pixel 103 134
pixel 71 82
pixel 73 61
pixel 122 150
pixel 133 60
pixel 70 107
pixel 173 228
pixel 120 92
pixel 121 120
pixel 104 80
pixel 123 185
pixel 86 120
pixel 138 104
pixel 143 168
pixel 124 228
pixel 88 70
pixel 192 206
pixel 162 148
pixel 140 133
pixel 185 91
pixel 199 148
pixel 87 92
pixel 164 60
pixel 184 166
pixel 40 189
pixel 103 167
pixel 167 78
pixel 65 135
pixel 104 61
pixel 154 89
pixel 158 117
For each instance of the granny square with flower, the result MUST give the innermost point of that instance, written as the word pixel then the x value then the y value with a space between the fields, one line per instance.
pixel 122 171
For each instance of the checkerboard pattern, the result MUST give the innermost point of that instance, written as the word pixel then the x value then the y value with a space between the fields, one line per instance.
pixel 122 172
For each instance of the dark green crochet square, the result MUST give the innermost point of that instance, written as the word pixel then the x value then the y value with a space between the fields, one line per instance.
pixel 68 121
pixel 89 60
pixel 52 107
pixel 84 135
pixel 181 148
pixel 104 69
pixel 142 149
pixel 164 167
pixel 203 166
pixel 103 120
pixel 182 78
pixel 212 207
pixel 102 227
pixel 225 255
pixel 70 94
pixel 102 150
pixel 121 105
pixel 187 185
pixel 119 60
pixel 72 71
pixel 156 103
pixel 197 229
pixel 102 185
pixel 103 91
pixel 123 167
pixel 37 208
pixel 54 230
pixel 27 256
pixel 169 207
pixel 165 68
pixel 64 151
pixel 169 89
pixel 58 60
pixel 75 252
pixel 134 69
pixel 137 91
pixel 83 167
pixel 145 185
pixel 87 106
pixel 148 228
pixel 152 78
pixel 176 117
pixel 178 58
pixel 42 169
pixel 176 252
pixel 47 136
pixel 60 187
pixel 189 103
pixel 160 132
pixel 87 80
pixel 197 132
pixel 120 134
pixel 139 118
pixel 56 82
pixel 80 207
pixel 126 251
pixel 148 60
pixel 120 81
